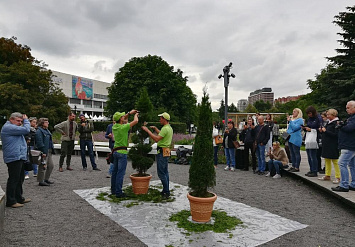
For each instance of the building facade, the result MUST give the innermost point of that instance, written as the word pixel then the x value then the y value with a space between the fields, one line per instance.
pixel 242 104
pixel 284 100
pixel 265 94
pixel 85 95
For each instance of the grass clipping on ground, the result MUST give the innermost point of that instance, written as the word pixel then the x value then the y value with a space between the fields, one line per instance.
pixel 222 223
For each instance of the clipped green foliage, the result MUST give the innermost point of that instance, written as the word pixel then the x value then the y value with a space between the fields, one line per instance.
pixel 202 174
pixel 138 154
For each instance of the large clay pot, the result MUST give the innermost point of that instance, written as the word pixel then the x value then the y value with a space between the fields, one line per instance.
pixel 140 185
pixel 201 208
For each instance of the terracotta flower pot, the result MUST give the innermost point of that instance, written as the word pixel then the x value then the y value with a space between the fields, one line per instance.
pixel 140 185
pixel 201 208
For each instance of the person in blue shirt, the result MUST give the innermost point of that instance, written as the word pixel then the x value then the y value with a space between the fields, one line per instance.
pixel 14 148
pixel 295 141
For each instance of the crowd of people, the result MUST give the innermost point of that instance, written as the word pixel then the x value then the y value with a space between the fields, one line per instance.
pixel 21 136
pixel 323 135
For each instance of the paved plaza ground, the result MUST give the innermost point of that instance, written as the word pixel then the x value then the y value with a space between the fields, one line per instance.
pixel 57 216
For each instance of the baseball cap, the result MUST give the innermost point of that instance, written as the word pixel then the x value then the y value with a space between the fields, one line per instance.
pixel 118 115
pixel 81 115
pixel 165 115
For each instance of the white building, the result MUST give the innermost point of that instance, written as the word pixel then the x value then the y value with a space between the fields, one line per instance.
pixel 242 104
pixel 85 96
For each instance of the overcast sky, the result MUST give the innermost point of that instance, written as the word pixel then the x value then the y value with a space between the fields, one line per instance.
pixel 271 43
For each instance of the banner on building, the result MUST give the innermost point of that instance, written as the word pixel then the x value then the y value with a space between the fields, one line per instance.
pixel 82 88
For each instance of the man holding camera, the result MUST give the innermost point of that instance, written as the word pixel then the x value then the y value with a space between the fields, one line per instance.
pixel 346 141
pixel 85 129
pixel 14 149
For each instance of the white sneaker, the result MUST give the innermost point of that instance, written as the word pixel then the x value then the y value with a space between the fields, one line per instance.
pixel 232 169
pixel 35 175
pixel 27 177
pixel 268 174
pixel 277 176
pixel 226 168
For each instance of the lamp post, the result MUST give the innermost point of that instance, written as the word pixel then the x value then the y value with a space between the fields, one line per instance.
pixel 75 109
pixel 226 76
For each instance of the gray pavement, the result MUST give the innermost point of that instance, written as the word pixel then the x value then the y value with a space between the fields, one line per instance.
pixel 59 217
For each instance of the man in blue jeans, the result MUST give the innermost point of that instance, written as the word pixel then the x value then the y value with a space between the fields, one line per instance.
pixel 278 159
pixel 262 136
pixel 85 129
pixel 120 133
pixel 346 143
pixel 163 139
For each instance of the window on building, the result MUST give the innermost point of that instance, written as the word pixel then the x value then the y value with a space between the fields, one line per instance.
pixel 100 96
pixel 97 104
pixel 75 101
pixel 87 103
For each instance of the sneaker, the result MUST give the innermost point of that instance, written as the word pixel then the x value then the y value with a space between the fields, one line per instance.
pixel 84 169
pixel 268 174
pixel 336 181
pixel 27 177
pixel 232 169
pixel 108 176
pixel 226 168
pixel 312 174
pixel 48 182
pixel 277 176
pixel 96 169
pixel 43 184
pixel 35 175
pixel 324 178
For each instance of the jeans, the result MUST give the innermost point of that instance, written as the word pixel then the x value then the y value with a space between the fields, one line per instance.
pixel 44 175
pixel 163 173
pixel 275 163
pixel 215 157
pixel 89 145
pixel 295 155
pixel 347 158
pixel 230 156
pixel 66 149
pixel 260 152
pixel 14 182
pixel 110 169
pixel 118 172
pixel 312 160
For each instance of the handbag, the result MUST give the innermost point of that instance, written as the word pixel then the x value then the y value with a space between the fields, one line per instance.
pixel 236 144
pixel 311 139
pixel 218 139
pixel 27 165
pixel 286 136
pixel 35 156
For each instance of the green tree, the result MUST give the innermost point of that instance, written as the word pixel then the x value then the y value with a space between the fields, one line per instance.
pixel 202 174
pixel 250 108
pixel 221 109
pixel 232 108
pixel 26 85
pixel 335 85
pixel 139 152
pixel 262 106
pixel 166 88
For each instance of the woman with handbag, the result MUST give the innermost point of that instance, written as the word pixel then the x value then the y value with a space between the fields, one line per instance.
pixel 314 122
pixel 330 151
pixel 44 143
pixel 217 139
pixel 230 136
pixel 295 139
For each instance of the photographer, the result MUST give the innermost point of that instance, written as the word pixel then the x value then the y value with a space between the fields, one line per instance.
pixel 85 129
pixel 346 143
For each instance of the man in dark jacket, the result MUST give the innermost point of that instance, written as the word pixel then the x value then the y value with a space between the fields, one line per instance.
pixel 347 146
pixel 248 137
pixel 262 136
pixel 230 136
pixel 85 129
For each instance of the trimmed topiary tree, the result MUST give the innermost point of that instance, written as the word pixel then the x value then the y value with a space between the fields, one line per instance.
pixel 138 154
pixel 202 174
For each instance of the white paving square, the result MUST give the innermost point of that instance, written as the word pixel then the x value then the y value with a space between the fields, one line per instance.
pixel 150 221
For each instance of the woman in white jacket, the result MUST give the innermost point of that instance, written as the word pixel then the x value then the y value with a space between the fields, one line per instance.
pixel 215 146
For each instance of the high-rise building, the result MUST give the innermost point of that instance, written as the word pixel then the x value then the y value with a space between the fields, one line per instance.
pixel 265 94
pixel 85 95
pixel 242 104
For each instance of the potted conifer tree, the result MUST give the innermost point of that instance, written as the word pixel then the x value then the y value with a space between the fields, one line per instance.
pixel 138 154
pixel 202 174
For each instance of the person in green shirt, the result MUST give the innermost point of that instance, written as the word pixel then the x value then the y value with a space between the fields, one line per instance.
pixel 120 132
pixel 163 139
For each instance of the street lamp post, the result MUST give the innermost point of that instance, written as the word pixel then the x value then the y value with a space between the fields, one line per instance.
pixel 226 76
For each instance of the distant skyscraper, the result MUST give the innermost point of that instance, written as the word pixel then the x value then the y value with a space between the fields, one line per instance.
pixel 242 104
pixel 265 94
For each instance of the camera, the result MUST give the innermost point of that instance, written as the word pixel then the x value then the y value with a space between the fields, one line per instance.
pixel 340 124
